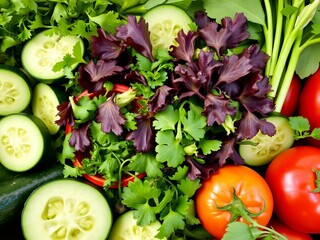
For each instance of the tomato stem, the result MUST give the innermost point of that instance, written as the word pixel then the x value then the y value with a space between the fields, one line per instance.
pixel 238 209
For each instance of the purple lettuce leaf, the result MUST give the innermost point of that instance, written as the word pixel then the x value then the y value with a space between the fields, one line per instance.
pixel 197 170
pixel 162 97
pixel 258 59
pixel 216 108
pixel 106 47
pixel 250 125
pixel 144 135
pixel 136 35
pixel 79 137
pixel 233 68
pixel 102 69
pixel 254 95
pixel 93 75
pixel 110 117
pixel 228 35
pixel 228 151
pixel 65 114
pixel 197 75
pixel 185 49
pixel 201 19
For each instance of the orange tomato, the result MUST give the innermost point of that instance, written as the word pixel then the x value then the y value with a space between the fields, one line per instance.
pixel 220 190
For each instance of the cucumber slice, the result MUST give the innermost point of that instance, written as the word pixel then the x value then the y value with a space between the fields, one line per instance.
pixel 15 93
pixel 43 51
pixel 125 227
pixel 267 147
pixel 24 141
pixel 165 21
pixel 44 104
pixel 66 209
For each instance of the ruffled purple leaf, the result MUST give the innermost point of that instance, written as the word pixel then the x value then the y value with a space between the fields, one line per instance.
pixel 190 80
pixel 134 76
pixel 80 138
pixel 106 47
pixel 185 49
pixel 136 35
pixel 228 35
pixel 254 95
pixel 233 68
pixel 228 151
pixel 258 59
pixel 201 19
pixel 216 108
pixel 250 125
pixel 102 69
pixel 65 114
pixel 163 96
pixel 110 117
pixel 197 75
pixel 202 171
pixel 143 136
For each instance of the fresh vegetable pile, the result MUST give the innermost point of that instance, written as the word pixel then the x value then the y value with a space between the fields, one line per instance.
pixel 171 119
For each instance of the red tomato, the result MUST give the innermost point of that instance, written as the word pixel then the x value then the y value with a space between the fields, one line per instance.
pixel 218 190
pixel 291 101
pixel 309 103
pixel 286 231
pixel 291 179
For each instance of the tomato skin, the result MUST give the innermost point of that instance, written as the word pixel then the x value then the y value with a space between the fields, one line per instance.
pixel 291 234
pixel 291 180
pixel 292 98
pixel 249 186
pixel 309 103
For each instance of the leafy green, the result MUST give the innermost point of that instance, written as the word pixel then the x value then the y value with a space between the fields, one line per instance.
pixel 301 127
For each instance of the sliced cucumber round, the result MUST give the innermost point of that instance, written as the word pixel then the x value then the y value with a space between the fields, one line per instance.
pixel 165 21
pixel 24 141
pixel 125 227
pixel 15 93
pixel 66 209
pixel 43 51
pixel 264 148
pixel 44 104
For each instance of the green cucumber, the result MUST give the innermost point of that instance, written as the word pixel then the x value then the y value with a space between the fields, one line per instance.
pixel 66 209
pixel 17 186
pixel 264 147
pixel 15 93
pixel 125 227
pixel 24 141
pixel 165 21
pixel 45 100
pixel 43 51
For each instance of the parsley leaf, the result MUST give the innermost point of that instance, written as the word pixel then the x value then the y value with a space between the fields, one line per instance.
pixel 169 149
pixel 301 127
pixel 138 195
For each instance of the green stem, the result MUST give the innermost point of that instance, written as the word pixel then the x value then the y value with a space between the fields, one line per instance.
pixel 281 63
pixel 268 32
pixel 305 15
pixel 277 38
pixel 238 209
pixel 289 72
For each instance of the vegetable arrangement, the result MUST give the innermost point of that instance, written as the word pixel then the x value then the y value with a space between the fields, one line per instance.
pixel 169 107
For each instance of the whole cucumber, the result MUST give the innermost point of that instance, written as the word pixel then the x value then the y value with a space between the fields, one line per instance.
pixel 16 188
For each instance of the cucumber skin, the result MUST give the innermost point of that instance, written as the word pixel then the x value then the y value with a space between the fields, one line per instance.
pixel 16 188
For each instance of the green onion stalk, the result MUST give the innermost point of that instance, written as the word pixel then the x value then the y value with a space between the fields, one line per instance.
pixel 287 44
